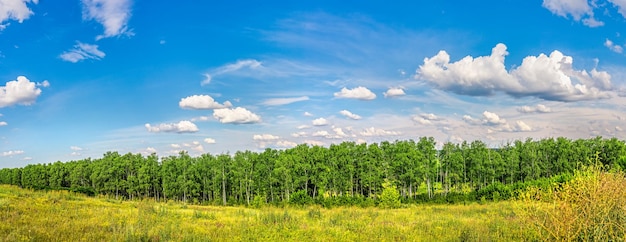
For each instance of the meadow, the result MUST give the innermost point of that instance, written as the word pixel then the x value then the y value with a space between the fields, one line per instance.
pixel 29 215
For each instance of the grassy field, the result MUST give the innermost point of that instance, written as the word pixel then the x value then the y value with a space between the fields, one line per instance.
pixel 63 216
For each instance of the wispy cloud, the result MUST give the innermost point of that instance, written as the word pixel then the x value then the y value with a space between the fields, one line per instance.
pixel 283 101
pixel 82 51
pixel 112 14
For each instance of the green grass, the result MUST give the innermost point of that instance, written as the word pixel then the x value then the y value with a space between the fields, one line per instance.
pixel 64 216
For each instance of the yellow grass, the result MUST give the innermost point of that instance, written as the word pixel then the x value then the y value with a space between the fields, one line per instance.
pixel 63 216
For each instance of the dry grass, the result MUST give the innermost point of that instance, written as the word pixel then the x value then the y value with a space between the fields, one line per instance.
pixel 591 207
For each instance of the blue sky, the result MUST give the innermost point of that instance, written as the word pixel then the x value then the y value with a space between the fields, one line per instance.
pixel 79 78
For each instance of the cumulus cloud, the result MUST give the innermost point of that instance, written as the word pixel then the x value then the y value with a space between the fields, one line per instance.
pixel 264 137
pixel 12 153
pixel 180 127
pixel 237 115
pixel 307 114
pixel 521 126
pixel 286 144
pixel 202 102
pixel 492 118
pixel 371 131
pixel 613 47
pixel 360 93
pixel 283 101
pixel 151 150
pixel 209 141
pixel 540 108
pixel 394 92
pixel 421 120
pixel 15 10
pixel 349 115
pixel 3 123
pixel 112 14
pixel 232 67
pixel 314 142
pixel 82 51
pixel 320 122
pixel 548 77
pixel 471 120
pixel 321 133
pixel 21 91
pixel 175 146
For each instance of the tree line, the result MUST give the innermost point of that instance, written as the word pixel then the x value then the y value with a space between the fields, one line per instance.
pixel 346 173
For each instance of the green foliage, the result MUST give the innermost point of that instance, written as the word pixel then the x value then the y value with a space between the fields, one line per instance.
pixel 300 198
pixel 345 174
pixel 390 197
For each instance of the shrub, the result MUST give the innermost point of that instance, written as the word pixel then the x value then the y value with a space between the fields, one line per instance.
pixel 300 198
pixel 390 198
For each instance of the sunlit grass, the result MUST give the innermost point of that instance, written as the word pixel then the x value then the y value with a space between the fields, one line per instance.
pixel 63 216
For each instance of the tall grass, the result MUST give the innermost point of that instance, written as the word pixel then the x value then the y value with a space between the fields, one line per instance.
pixel 590 207
pixel 64 216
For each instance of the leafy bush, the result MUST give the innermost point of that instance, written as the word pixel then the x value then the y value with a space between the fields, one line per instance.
pixel 390 198
pixel 300 198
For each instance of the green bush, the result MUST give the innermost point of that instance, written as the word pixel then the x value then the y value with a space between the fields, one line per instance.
pixel 390 198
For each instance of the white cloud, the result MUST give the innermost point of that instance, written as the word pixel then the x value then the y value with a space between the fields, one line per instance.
pixel 540 108
pixel 82 51
pixel 360 93
pixel 228 68
pixel 492 118
pixel 320 122
pixel 151 150
pixel 307 114
pixel 577 9
pixel 339 132
pixel 202 102
pixel 201 118
pixel 521 126
pixel 12 152
pixel 471 120
pixel 180 127
pixel 548 77
pixel 209 141
pixel 350 114
pixel 394 92
pixel 3 123
pixel 314 142
pixel 175 146
pixel 286 144
pixel 27 158
pixel 75 148
pixel 283 101
pixel 303 127
pixel 264 137
pixel 429 116
pixel 321 133
pixel 421 120
pixel 613 47
pixel 237 115
pixel 207 79
pixel 21 91
pixel 371 131
pixel 112 14
pixel 14 10
pixel 298 134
